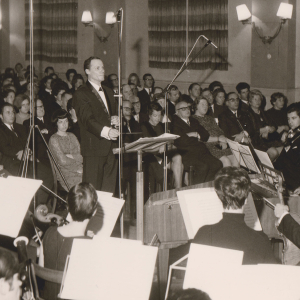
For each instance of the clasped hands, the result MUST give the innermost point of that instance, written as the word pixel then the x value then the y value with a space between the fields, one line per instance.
pixel 242 137
pixel 264 132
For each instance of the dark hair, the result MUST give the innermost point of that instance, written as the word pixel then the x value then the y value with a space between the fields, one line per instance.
pixel 82 201
pixel 109 76
pixel 214 84
pixel 6 92
pixel 59 86
pixel 49 68
pixel 145 75
pixel 75 79
pixel 228 95
pixel 217 91
pixel 87 62
pixel 255 93
pixel 192 85
pixel 275 96
pixel 19 99
pixel 136 75
pixel 294 107
pixel 154 106
pixel 8 86
pixel 158 96
pixel 189 294
pixel 10 71
pixel 205 90
pixel 241 86
pixel 70 104
pixel 46 78
pixel 232 186
pixel 9 264
pixel 70 71
pixel 60 114
pixel 172 88
pixel 5 104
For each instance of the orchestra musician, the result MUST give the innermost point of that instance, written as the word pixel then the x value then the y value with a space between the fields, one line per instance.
pixel 10 284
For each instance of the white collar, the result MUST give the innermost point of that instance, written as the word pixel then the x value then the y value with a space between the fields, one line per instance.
pixel 96 86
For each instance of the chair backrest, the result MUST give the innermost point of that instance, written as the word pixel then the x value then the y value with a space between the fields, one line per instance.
pixel 45 274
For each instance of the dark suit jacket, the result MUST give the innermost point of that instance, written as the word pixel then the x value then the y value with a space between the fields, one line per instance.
pixel 10 144
pixel 189 147
pixel 171 110
pixel 290 229
pixel 243 106
pixel 92 117
pixel 229 124
pixel 40 147
pixel 145 100
pixel 143 118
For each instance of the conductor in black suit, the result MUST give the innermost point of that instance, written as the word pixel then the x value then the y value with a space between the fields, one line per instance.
pixel 95 109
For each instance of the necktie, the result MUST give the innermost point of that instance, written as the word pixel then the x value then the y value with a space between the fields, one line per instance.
pixel 12 129
pixel 100 89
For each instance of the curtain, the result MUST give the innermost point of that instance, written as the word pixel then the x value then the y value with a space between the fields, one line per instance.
pixel 54 30
pixel 167 33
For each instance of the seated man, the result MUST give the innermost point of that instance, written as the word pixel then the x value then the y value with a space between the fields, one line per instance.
pixel 12 144
pixel 10 284
pixel 243 89
pixel 138 115
pixel 232 187
pixel 235 123
pixel 288 161
pixel 191 144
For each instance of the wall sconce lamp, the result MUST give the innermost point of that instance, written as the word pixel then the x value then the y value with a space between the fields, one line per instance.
pixel 285 11
pixel 111 18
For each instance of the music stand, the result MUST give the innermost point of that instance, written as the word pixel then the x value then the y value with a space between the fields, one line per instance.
pixel 140 146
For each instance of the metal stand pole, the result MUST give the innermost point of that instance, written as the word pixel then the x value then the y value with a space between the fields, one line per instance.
pixel 140 198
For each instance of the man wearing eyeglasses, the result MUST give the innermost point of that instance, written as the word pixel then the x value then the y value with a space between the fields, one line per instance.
pixel 191 144
pixel 235 123
pixel 145 94
pixel 138 115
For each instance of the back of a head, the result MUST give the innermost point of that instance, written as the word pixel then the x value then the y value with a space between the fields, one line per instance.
pixel 8 264
pixel 82 200
pixel 232 186
pixel 189 294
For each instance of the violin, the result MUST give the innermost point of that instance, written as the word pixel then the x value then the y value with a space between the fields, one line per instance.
pixel 42 214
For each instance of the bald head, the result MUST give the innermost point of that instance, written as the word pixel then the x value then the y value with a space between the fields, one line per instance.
pixel 183 110
pixel 127 91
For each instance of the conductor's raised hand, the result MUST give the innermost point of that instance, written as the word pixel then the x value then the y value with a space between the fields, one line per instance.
pixel 113 134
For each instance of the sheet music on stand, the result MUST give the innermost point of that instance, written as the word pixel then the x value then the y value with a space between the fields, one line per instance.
pixel 244 156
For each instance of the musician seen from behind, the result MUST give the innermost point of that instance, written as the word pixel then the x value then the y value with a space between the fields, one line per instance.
pixel 232 186
pixel 10 284
pixel 288 161
pixel 86 214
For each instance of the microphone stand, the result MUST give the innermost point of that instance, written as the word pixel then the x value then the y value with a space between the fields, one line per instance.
pixel 166 89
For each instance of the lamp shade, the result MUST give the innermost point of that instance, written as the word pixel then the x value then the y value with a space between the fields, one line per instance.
pixel 243 12
pixel 86 17
pixel 285 10
pixel 110 18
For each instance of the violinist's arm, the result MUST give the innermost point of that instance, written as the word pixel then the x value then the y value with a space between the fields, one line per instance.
pixel 287 225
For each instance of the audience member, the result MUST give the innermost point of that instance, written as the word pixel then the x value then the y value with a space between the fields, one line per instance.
pixel 69 77
pixel 215 85
pixel 49 70
pixel 173 97
pixel 217 142
pixel 138 115
pixel 190 144
pixel 189 294
pixel 265 137
pixel 278 113
pixel 194 91
pixel 46 88
pixel 22 104
pixel 127 92
pixel 65 98
pixel 243 90
pixel 75 127
pixel 66 150
pixel 114 83
pixel 133 78
pixel 206 94
pixel 12 146
pixel 218 104
pixel 145 94
pixel 8 96
pixel 77 82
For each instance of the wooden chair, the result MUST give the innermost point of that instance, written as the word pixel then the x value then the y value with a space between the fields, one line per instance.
pixel 45 274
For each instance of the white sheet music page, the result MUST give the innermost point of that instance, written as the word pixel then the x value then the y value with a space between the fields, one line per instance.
pixel 199 207
pixel 111 208
pixel 212 269
pixel 16 194
pixel 202 206
pixel 110 270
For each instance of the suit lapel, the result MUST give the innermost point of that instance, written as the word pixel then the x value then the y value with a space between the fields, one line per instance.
pixel 98 97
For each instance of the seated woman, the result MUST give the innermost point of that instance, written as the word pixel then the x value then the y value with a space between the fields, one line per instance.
pixel 57 243
pixel 66 149
pixel 265 138
pixel 219 99
pixel 216 144
pixel 133 78
pixel 153 128
pixel 9 96
pixel 278 113
pixel 21 102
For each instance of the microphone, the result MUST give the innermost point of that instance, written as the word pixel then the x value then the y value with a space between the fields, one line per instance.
pixel 210 41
